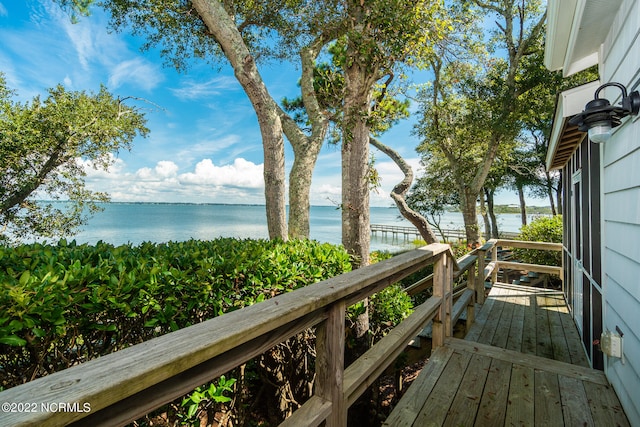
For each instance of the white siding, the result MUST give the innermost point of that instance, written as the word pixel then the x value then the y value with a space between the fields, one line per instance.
pixel 621 212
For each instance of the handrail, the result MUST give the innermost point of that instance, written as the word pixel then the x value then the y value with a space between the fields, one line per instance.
pixel 122 386
pixel 491 269
pixel 465 263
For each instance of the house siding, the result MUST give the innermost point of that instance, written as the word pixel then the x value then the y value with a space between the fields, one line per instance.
pixel 621 211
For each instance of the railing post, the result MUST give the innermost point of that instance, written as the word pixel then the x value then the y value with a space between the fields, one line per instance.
pixel 494 259
pixel 330 364
pixel 562 284
pixel 482 254
pixel 471 285
pixel 442 287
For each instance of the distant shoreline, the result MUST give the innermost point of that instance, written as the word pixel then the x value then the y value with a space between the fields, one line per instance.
pixel 498 209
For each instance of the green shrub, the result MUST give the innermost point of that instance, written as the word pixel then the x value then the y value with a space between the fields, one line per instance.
pixel 64 304
pixel 543 229
pixel 389 307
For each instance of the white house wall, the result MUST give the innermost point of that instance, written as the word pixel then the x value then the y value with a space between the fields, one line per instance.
pixel 621 211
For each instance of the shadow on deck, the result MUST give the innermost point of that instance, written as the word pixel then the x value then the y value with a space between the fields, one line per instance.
pixel 521 363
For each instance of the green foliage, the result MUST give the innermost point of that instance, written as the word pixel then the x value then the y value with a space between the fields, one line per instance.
pixel 64 304
pixel 389 307
pixel 433 195
pixel 204 396
pixel 45 146
pixel 544 229
pixel 75 8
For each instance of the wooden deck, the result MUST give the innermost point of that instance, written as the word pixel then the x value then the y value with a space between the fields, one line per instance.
pixel 521 363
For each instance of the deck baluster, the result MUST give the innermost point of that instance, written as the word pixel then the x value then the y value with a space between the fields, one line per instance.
pixel 482 254
pixel 330 364
pixel 442 288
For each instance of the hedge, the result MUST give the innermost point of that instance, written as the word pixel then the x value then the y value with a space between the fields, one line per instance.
pixel 64 304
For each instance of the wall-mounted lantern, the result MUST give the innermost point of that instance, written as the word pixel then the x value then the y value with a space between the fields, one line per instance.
pixel 599 116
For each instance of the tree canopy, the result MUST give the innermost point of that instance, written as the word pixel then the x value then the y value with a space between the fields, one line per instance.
pixel 45 146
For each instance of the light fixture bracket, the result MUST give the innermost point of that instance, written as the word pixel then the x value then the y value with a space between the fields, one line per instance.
pixel 599 111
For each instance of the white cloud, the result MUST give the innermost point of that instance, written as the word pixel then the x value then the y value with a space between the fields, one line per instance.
pixel 209 146
pixel 164 170
pixel 137 72
pixel 82 40
pixel 241 173
pixel 191 90
pixel 3 10
pixel 239 182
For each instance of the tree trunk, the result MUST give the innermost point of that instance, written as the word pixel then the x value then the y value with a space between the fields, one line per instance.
pixel 356 233
pixel 523 205
pixel 227 35
pixel 299 190
pixel 400 190
pixel 470 217
pixel 554 212
pixel 305 148
pixel 559 195
pixel 485 216
pixel 492 214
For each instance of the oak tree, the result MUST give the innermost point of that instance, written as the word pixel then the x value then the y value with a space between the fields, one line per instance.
pixel 45 146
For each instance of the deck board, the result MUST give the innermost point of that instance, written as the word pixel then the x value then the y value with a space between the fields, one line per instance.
pixel 520 407
pixel 548 406
pixel 512 369
pixel 467 399
pixel 493 405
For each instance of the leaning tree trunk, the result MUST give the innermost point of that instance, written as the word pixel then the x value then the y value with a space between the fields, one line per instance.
pixel 227 35
pixel 400 190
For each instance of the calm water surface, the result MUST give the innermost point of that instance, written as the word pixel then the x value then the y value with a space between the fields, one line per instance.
pixel 134 223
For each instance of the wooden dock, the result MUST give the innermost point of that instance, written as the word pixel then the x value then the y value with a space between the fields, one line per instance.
pixel 395 231
pixel 521 363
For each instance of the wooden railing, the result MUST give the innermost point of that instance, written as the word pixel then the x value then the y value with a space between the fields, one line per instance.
pixel 491 269
pixel 123 386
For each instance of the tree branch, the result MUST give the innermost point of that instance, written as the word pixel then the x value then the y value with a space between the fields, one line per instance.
pixel 400 190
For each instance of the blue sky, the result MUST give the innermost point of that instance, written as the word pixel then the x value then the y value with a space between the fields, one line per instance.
pixel 204 145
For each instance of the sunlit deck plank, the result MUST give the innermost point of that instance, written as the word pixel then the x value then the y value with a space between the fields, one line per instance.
pixel 437 405
pixel 520 408
pixel 413 400
pixel 467 400
pixel 493 405
pixel 506 382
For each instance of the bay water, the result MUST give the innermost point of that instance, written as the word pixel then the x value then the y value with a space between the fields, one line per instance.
pixel 122 223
